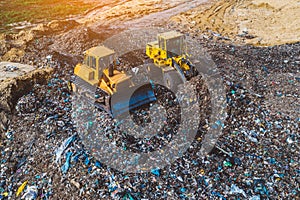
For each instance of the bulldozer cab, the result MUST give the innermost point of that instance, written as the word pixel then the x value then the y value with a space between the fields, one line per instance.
pixel 98 73
pixel 98 58
pixel 173 43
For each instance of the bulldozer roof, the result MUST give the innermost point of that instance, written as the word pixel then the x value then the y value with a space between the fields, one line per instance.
pixel 99 51
pixel 170 34
pixel 155 43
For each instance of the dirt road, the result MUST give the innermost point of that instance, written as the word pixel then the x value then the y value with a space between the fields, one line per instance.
pixel 96 24
pixel 256 22
pixel 131 13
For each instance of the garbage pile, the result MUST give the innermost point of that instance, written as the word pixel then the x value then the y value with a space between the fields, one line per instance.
pixel 256 156
pixel 10 68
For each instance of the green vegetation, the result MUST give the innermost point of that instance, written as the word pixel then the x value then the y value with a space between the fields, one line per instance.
pixel 39 10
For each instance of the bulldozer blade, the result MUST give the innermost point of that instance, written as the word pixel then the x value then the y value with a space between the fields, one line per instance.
pixel 134 97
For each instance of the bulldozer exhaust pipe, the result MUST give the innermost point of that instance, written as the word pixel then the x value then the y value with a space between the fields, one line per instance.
pixel 111 70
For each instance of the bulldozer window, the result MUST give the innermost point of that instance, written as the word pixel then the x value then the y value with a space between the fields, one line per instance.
pixel 103 63
pixel 174 47
pixel 86 60
pixel 161 43
pixel 91 75
pixel 93 62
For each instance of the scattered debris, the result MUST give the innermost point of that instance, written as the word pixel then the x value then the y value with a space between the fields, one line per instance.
pixel 256 157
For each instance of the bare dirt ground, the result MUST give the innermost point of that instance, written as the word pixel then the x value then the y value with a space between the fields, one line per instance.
pixel 93 24
pixel 257 22
pixel 134 14
pixel 254 22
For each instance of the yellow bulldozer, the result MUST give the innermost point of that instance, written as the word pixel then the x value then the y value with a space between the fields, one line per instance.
pixel 172 62
pixel 98 73
pixel 97 80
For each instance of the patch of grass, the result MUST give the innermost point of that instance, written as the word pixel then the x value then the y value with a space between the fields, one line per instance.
pixel 39 10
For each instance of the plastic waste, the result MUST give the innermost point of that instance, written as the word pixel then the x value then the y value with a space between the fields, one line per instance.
pixel 63 147
pixel 21 188
pixel 87 160
pixel 235 189
pixel 227 164
pixel 66 166
pixel 183 190
pixel 31 193
pixel 98 164
pixel 4 194
pixel 254 198
pixel 127 196
pixel 156 171
pixel 113 184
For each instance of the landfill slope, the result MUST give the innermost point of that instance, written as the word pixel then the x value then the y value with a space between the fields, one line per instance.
pixel 257 22
pixel 13 88
pixel 258 145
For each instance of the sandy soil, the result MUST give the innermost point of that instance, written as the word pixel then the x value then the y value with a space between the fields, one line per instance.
pixel 132 13
pixel 114 14
pixel 257 22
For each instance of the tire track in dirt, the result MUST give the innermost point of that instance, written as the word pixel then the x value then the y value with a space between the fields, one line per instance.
pixel 132 14
pixel 256 22
pixel 158 18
